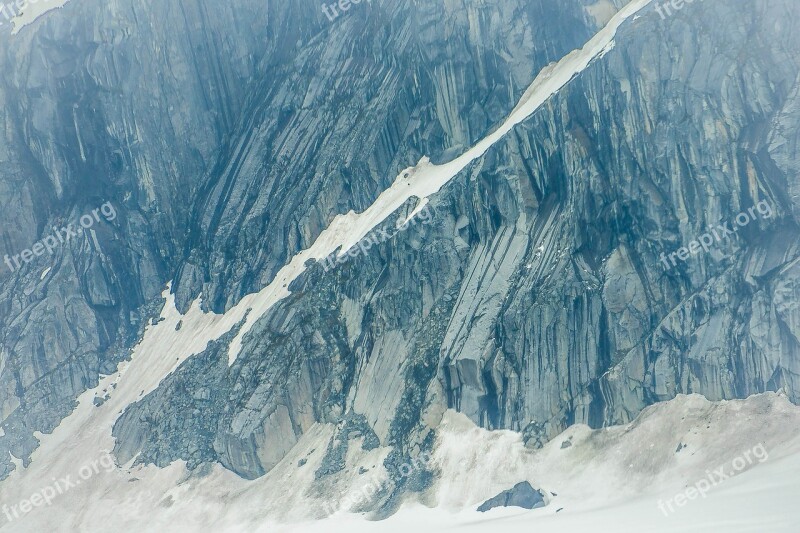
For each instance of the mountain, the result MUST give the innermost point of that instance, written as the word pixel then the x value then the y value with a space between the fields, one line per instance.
pixel 254 251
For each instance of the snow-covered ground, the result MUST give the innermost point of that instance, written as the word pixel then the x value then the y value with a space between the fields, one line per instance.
pixel 613 480
pixel 610 480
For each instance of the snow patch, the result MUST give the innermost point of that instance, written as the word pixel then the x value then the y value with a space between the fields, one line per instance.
pixel 33 10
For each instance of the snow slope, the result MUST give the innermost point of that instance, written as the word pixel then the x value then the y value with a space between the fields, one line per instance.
pixel 612 480
pixel 609 479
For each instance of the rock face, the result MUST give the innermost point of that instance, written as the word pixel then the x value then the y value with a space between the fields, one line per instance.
pixel 520 495
pixel 256 133
pixel 536 298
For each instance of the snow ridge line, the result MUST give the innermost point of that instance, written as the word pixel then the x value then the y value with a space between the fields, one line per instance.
pixel 425 179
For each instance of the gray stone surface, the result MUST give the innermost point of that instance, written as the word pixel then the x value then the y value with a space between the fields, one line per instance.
pixel 520 495
pixel 227 135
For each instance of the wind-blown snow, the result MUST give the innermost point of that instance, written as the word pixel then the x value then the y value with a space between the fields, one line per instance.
pixel 609 480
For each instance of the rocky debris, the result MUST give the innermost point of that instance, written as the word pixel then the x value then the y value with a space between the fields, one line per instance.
pixel 353 427
pixel 520 495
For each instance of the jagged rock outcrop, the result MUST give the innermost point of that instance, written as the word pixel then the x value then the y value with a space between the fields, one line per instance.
pixel 520 495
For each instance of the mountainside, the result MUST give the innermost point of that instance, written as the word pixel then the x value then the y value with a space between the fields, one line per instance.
pixel 516 215
pixel 261 167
